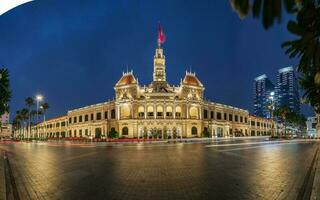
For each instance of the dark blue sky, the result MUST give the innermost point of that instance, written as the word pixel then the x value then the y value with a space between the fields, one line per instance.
pixel 73 52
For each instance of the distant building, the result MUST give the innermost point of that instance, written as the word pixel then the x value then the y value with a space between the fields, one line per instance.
pixel 311 126
pixel 263 89
pixel 287 92
pixel 5 126
pixel 5 118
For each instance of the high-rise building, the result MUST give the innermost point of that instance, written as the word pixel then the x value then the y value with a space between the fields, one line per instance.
pixel 263 96
pixel 287 92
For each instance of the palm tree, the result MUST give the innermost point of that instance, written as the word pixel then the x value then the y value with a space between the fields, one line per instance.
pixel 24 113
pixel 16 124
pixel 44 107
pixel 284 114
pixel 29 102
pixel 5 92
pixel 306 47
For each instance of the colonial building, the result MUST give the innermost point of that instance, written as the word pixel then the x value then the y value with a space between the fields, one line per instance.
pixel 157 110
pixel 5 126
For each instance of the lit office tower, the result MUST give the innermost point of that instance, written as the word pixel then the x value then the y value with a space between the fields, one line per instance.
pixel 263 91
pixel 287 91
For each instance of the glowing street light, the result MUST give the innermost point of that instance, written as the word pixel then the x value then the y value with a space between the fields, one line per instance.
pixel 39 98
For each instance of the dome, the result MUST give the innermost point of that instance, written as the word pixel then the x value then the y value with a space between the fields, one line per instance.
pixel 191 79
pixel 127 79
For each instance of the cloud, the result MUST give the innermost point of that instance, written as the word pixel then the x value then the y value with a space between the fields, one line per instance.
pixel 6 5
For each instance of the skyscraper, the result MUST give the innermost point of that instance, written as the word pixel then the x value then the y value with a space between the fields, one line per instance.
pixel 263 88
pixel 287 92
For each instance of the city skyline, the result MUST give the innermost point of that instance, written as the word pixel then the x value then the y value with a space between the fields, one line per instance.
pixel 87 69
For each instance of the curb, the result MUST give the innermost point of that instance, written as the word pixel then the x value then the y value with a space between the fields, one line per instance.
pixel 2 179
pixel 315 193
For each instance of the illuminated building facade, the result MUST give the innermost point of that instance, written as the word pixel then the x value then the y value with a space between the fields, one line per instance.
pixel 157 110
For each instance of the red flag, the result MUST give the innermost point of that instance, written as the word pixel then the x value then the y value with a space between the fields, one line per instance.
pixel 161 36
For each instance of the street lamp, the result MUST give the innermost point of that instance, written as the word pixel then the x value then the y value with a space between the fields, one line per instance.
pixel 271 106
pixel 39 98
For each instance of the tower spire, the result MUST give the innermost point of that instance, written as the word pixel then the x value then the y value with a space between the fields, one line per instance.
pixel 159 62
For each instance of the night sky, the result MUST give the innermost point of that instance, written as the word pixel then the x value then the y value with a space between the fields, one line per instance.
pixel 73 52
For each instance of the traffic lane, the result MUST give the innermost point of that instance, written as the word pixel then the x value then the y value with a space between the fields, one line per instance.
pixel 181 172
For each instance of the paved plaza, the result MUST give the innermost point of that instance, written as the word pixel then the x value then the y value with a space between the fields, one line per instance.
pixel 246 169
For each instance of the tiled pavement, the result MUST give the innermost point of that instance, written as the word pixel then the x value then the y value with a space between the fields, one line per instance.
pixel 181 171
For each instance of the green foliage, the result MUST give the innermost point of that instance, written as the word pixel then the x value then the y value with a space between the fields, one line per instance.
pixel 268 10
pixel 205 133
pixel 5 92
pixel 306 47
pixel 112 133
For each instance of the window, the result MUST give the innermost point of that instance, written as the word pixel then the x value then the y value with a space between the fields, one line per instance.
pixel 86 118
pixel 241 119
pixel 75 133
pixel 75 120
pixel 245 120
pixel 70 120
pixel 253 123
pixel 159 111
pixel 106 114
pixel 225 116
pixel 141 112
pixel 236 118
pixel 80 133
pixel 178 111
pixel 58 124
pixel 194 131
pixel 205 114
pixel 86 132
pixel 212 115
pixel 150 111
pixel 125 131
pixel 98 117
pixel 80 118
pixel 91 116
pixel 113 114
pixel 258 123
pixel 169 111
pixel 218 115
pixel 230 117
pixel 63 123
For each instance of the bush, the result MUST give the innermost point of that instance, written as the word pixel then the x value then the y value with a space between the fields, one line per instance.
pixel 113 134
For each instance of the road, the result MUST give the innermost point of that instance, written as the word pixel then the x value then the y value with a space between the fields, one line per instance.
pixel 246 169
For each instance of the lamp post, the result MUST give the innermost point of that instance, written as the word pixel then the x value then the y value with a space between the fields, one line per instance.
pixel 271 106
pixel 39 98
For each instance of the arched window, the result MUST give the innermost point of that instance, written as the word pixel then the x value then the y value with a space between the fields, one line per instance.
pixel 159 111
pixel 125 111
pixel 141 111
pixel 125 131
pixel 178 111
pixel 194 113
pixel 169 111
pixel 150 111
pixel 194 130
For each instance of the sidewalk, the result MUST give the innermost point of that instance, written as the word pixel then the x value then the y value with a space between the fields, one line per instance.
pixel 315 194
pixel 2 178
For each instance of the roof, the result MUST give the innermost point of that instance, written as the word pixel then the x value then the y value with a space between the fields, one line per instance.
pixel 127 79
pixel 191 79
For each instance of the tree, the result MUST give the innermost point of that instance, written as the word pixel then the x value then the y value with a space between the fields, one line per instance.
pixel 29 102
pixel 283 113
pixel 5 92
pixel 24 113
pixel 113 133
pixel 44 107
pixel 306 47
